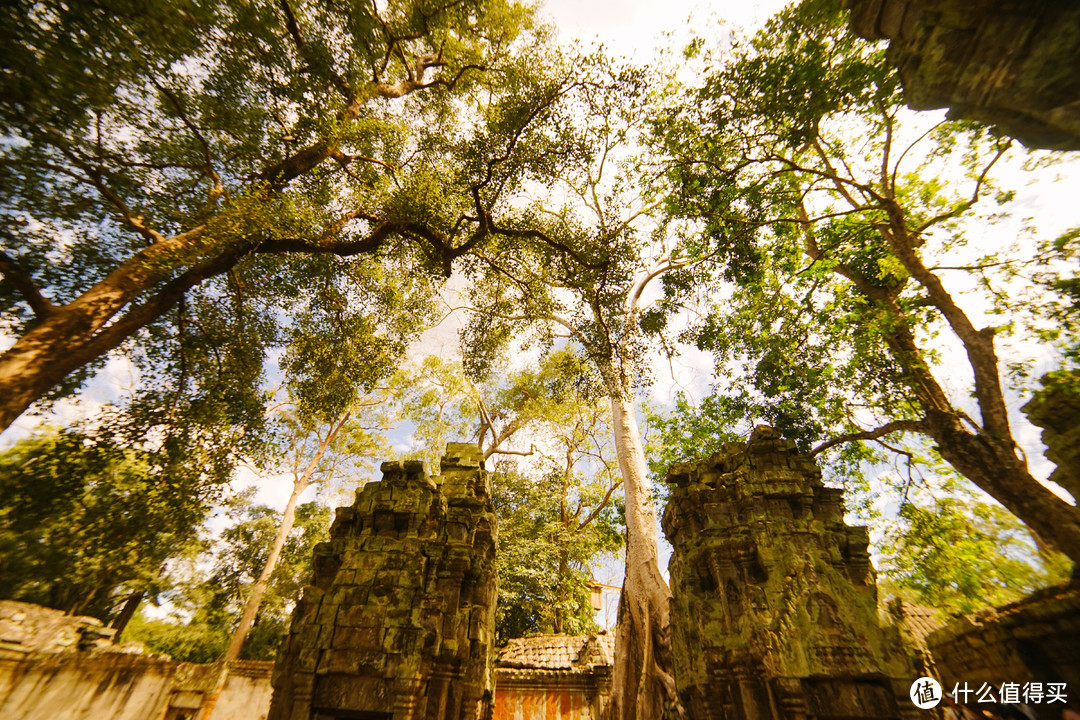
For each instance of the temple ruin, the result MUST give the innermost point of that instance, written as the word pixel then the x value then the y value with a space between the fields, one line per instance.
pixel 1035 639
pixel 399 620
pixel 774 616
pixel 1014 65
pixel 774 610
pixel 1055 409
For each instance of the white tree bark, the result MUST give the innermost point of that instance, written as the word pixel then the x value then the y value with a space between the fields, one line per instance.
pixel 641 549
pixel 642 683
pixel 258 590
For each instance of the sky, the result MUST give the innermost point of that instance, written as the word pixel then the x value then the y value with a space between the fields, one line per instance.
pixel 634 28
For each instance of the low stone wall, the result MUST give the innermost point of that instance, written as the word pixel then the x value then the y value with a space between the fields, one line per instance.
pixel 118 686
pixel 55 666
pixel 1036 639
pixel 25 627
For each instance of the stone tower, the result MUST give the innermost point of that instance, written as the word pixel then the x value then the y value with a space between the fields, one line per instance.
pixel 774 609
pixel 399 621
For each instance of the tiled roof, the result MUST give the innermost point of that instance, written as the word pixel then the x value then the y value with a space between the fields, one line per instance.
pixel 558 652
pixel 921 620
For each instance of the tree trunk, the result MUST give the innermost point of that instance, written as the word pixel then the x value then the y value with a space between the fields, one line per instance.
pixel 643 686
pixel 251 608
pixel 301 482
pixel 986 456
pixel 559 626
pixel 83 604
pixel 561 541
pixel 1003 475
pixel 73 335
pixel 126 613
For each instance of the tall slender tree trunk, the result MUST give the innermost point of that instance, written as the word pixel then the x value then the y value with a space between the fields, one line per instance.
pixel 251 607
pixel 301 482
pixel 559 624
pixel 643 686
pixel 564 554
pixel 258 589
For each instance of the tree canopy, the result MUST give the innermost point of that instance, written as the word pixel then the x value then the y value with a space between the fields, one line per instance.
pixel 86 522
pixel 211 590
pixel 843 297
pixel 959 554
pixel 545 433
pixel 201 182
pixel 231 195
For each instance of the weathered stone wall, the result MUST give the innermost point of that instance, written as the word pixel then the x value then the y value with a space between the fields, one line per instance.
pixel 118 686
pixel 1005 62
pixel 25 627
pixel 774 608
pixel 1056 409
pixel 1036 639
pixel 400 618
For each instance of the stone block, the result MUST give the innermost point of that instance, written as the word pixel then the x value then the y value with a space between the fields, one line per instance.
pixel 999 62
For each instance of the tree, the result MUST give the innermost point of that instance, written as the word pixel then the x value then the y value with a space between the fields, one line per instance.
pixel 795 161
pixel 959 555
pixel 577 270
pixel 436 398
pixel 557 501
pixel 209 603
pixel 312 453
pixel 268 152
pixel 86 522
pixel 441 402
pixel 552 528
pixel 574 512
pixel 559 504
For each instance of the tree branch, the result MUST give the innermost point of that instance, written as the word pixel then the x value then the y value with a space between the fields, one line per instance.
pixel 602 504
pixel 24 283
pixel 294 32
pixel 532 450
pixel 978 344
pixel 216 189
pixel 886 429
pixel 967 205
